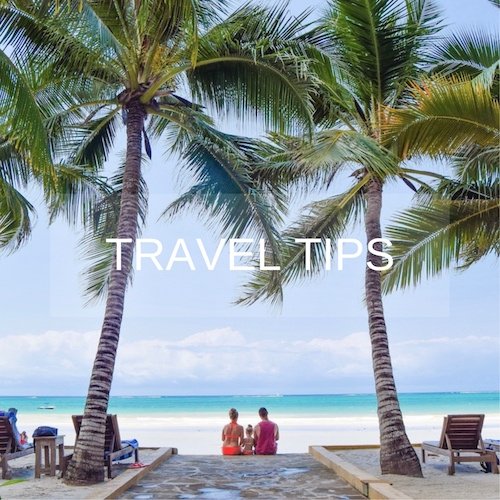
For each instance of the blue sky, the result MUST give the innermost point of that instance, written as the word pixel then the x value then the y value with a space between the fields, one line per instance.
pixel 181 335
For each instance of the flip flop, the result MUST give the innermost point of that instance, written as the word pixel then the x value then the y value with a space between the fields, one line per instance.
pixel 137 465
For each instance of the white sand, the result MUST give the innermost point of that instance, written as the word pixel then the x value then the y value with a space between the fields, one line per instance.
pixel 195 435
pixel 201 435
pixel 469 482
pixel 53 487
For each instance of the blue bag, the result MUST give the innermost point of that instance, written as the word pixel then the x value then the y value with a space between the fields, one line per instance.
pixel 45 431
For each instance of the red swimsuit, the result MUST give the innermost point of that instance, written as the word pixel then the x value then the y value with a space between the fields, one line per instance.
pixel 231 450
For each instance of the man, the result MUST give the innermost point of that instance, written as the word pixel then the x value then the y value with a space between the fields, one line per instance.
pixel 266 434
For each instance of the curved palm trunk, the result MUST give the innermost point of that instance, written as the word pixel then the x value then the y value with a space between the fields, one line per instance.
pixel 86 466
pixel 397 456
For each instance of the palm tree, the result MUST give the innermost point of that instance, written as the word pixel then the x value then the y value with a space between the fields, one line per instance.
pixel 455 116
pixel 130 61
pixel 368 54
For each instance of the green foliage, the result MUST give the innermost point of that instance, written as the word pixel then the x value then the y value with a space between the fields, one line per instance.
pixel 459 229
pixel 450 114
pixel 83 62
pixel 364 56
pixel 457 117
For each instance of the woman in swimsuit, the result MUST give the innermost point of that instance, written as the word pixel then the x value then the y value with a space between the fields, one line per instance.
pixel 232 435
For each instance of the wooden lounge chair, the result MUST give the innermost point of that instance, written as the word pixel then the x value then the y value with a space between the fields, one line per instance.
pixel 461 441
pixel 113 447
pixel 9 448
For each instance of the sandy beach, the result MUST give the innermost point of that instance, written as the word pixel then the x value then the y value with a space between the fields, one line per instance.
pixel 469 481
pixel 218 475
pixel 201 435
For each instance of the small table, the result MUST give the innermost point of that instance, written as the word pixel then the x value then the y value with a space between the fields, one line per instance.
pixel 48 444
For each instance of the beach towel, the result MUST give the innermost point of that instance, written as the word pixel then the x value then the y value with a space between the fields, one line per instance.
pixel 128 442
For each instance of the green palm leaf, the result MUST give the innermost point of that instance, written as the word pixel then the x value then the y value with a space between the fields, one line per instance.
pixel 428 239
pixel 449 115
pixel 473 53
pixel 256 58
pixel 21 121
pixel 325 219
pixel 16 213
pixel 102 223
pixel 379 43
pixel 227 191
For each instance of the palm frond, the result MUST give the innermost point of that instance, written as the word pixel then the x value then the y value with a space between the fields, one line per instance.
pixel 311 164
pixel 476 163
pixel 380 44
pixel 16 213
pixel 448 115
pixel 103 224
pixel 256 59
pixel 471 53
pixel 78 190
pixel 60 38
pixel 226 189
pixel 21 122
pixel 428 239
pixel 322 220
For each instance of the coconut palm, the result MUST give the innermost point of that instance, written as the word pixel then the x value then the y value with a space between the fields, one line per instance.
pixel 132 60
pixel 455 115
pixel 368 54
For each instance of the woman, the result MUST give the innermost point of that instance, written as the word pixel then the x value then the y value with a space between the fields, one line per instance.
pixel 232 435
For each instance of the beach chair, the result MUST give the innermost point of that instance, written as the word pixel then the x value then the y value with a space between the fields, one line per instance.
pixel 114 447
pixel 10 449
pixel 461 441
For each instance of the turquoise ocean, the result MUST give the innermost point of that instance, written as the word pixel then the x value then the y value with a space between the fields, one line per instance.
pixel 327 405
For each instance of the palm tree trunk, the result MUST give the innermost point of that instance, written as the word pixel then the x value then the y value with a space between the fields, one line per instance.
pixel 397 456
pixel 87 464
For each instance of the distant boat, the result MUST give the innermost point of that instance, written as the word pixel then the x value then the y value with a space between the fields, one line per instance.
pixel 46 407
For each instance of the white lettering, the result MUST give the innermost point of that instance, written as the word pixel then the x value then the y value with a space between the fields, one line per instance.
pixel 340 251
pixel 118 242
pixel 262 252
pixel 181 244
pixel 307 255
pixel 210 264
pixel 149 255
pixel 233 254
pixel 373 251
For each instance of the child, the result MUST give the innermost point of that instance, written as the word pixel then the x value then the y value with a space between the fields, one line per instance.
pixel 23 438
pixel 248 441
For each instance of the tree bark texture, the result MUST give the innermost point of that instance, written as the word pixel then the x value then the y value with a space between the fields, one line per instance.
pixel 397 456
pixel 87 464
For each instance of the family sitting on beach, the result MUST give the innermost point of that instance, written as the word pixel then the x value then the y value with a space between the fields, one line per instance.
pixel 260 440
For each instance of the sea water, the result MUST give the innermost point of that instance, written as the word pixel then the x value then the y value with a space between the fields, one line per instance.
pixel 316 405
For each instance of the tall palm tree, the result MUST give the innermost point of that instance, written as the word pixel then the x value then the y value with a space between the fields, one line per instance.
pixel 134 59
pixel 368 54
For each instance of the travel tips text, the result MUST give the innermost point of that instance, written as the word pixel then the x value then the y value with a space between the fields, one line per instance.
pixel 152 249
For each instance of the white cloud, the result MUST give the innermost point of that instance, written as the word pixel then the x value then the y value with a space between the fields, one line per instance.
pixel 225 359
